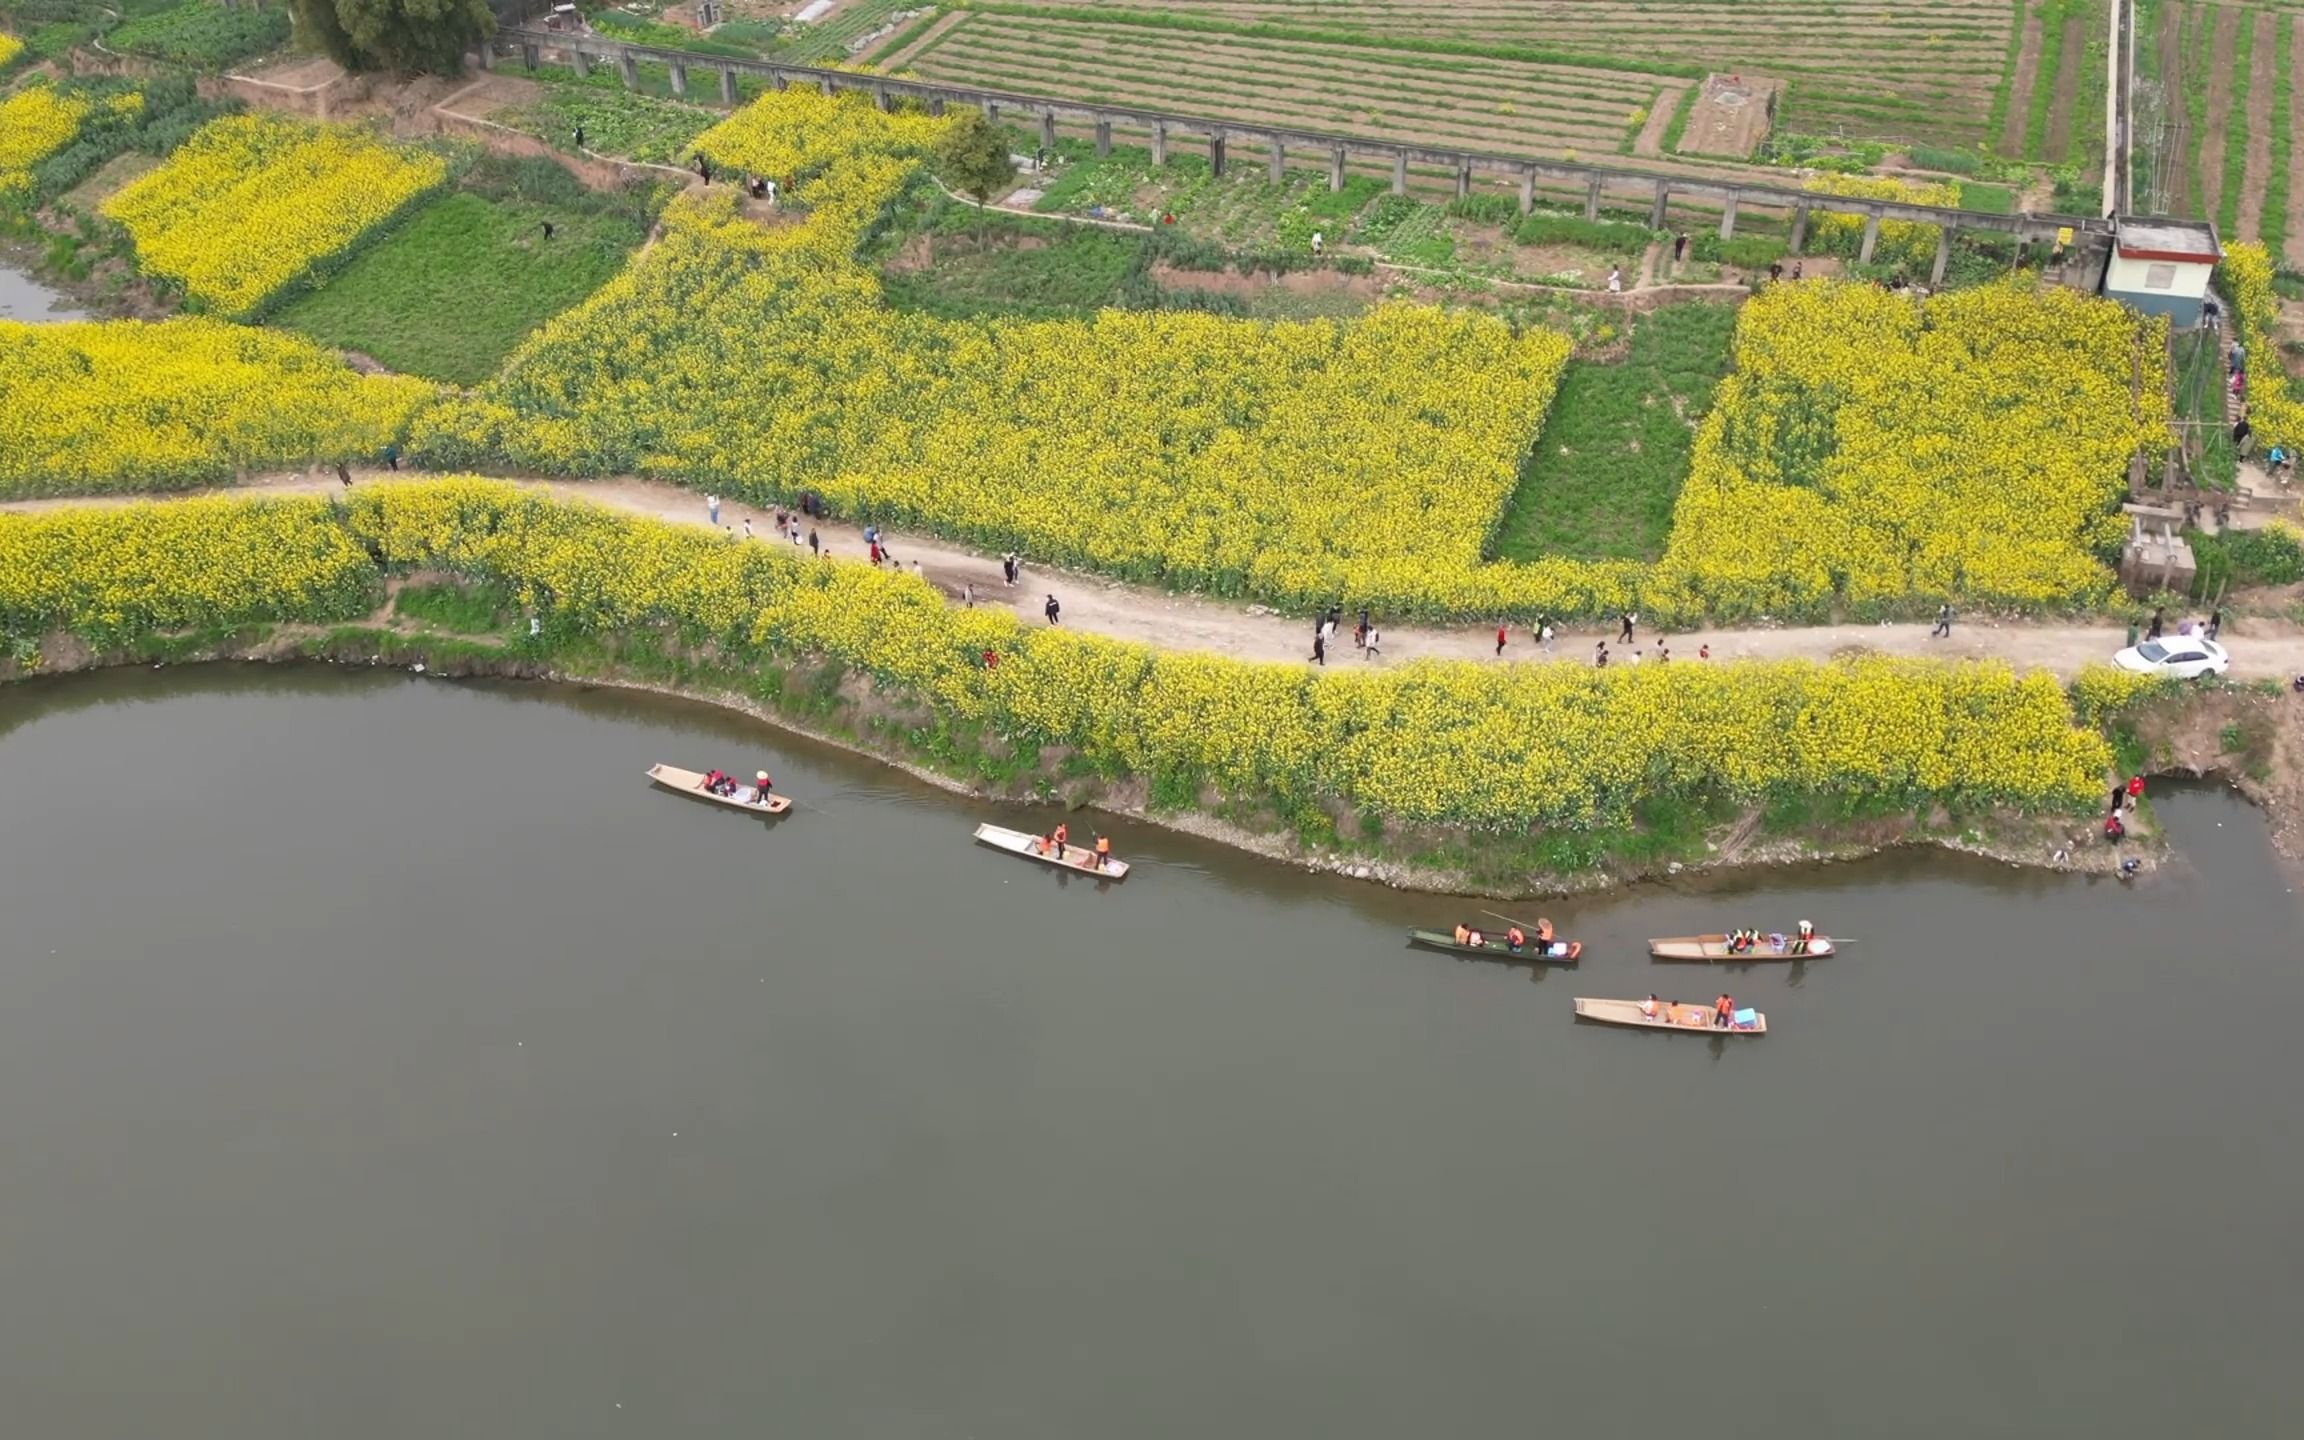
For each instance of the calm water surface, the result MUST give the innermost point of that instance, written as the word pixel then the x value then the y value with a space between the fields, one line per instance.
pixel 24 298
pixel 384 1057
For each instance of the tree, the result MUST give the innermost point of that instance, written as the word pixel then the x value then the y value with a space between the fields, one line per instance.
pixel 411 36
pixel 974 158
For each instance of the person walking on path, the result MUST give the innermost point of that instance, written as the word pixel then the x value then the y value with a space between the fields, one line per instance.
pixel 1375 639
pixel 712 508
pixel 968 594
pixel 815 547
pixel 344 474
pixel 747 527
pixel 1320 648
pixel 2215 622
pixel 392 456
pixel 1680 247
pixel 1942 630
pixel 2135 791
pixel 1625 636
pixel 1500 639
pixel 1544 635
pixel 2159 621
pixel 1051 609
pixel 1616 280
pixel 794 532
pixel 1009 566
pixel 704 168
pixel 579 137
pixel 1600 656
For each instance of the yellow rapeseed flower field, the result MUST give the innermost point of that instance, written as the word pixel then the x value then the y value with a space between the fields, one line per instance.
pixel 2272 407
pixel 35 123
pixel 1901 242
pixel 10 48
pixel 252 203
pixel 1870 448
pixel 134 405
pixel 1494 747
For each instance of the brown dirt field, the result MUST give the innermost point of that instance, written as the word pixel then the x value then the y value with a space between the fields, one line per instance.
pixel 1730 117
pixel 1297 282
pixel 2059 138
pixel 2295 244
pixel 2259 131
pixel 491 93
pixel 299 74
pixel 2213 130
pixel 2011 141
pixel 2172 85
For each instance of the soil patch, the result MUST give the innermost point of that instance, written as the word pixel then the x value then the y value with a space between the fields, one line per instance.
pixel 2213 138
pixel 2028 75
pixel 1650 140
pixel 2059 142
pixel 2179 198
pixel 1248 287
pixel 1731 116
pixel 2295 242
pixel 933 34
pixel 2250 219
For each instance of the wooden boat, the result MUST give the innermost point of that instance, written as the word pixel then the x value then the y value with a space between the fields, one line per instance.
pixel 1076 857
pixel 1715 947
pixel 691 782
pixel 1673 1017
pixel 1562 952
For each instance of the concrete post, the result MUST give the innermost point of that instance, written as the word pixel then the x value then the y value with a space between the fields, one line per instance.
pixel 1527 188
pixel 728 85
pixel 1656 211
pixel 679 80
pixel 488 55
pixel 828 88
pixel 1799 229
pixel 1463 178
pixel 1159 143
pixel 992 112
pixel 936 105
pixel 777 80
pixel 1400 172
pixel 1216 154
pixel 581 62
pixel 1336 168
pixel 1103 138
pixel 1276 162
pixel 881 100
pixel 629 68
pixel 529 57
pixel 1728 217
pixel 1943 256
pixel 1871 238
pixel 1048 131
pixel 1592 199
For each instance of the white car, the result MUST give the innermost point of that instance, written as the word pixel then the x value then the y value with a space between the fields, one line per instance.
pixel 2180 657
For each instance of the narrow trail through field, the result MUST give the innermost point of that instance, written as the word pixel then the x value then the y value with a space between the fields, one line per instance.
pixel 2020 90
pixel 2058 144
pixel 2261 649
pixel 2294 246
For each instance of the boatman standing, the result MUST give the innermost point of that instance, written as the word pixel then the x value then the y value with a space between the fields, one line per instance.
pixel 766 785
pixel 1723 1011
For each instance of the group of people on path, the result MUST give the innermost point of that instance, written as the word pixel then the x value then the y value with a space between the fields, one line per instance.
pixel 2124 798
pixel 2158 625
pixel 1365 636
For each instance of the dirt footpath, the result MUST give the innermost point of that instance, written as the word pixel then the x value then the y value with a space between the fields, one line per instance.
pixel 2261 649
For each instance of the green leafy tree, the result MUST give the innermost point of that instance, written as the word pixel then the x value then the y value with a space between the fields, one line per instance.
pixel 410 36
pixel 974 158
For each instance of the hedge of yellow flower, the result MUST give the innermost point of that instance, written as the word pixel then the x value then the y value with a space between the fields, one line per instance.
pixel 133 405
pixel 10 48
pixel 1873 448
pixel 111 574
pixel 2272 406
pixel 251 204
pixel 1908 242
pixel 35 122
pixel 1497 747
pixel 1304 460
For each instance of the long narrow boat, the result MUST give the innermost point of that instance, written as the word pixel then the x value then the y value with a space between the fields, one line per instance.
pixel 691 783
pixel 1673 1017
pixel 1559 952
pixel 1076 857
pixel 1715 947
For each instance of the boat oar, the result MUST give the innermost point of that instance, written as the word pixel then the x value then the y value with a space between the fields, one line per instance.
pixel 1507 919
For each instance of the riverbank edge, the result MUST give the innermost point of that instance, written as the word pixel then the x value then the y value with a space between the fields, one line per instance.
pixel 2058 844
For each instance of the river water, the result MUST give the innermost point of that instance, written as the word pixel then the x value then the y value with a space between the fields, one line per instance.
pixel 383 1056
pixel 24 298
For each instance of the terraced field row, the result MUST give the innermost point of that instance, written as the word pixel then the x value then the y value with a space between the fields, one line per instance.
pixel 2216 111
pixel 1474 103
pixel 1897 71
